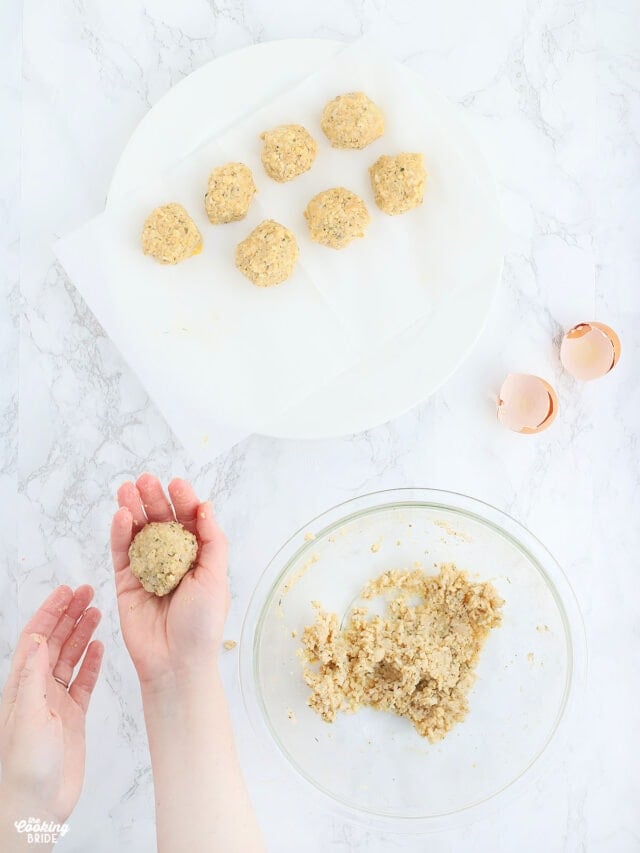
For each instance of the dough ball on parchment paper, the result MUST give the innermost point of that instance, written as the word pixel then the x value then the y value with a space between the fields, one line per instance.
pixel 398 182
pixel 170 235
pixel 352 121
pixel 287 151
pixel 268 255
pixel 161 554
pixel 229 193
pixel 336 217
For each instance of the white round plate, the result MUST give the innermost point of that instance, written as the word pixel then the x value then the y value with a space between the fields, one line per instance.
pixel 389 382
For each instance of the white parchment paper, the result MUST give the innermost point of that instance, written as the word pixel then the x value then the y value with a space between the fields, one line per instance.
pixel 220 357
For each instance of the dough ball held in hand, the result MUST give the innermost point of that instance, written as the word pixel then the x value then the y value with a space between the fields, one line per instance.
pixel 229 193
pixel 161 554
pixel 352 121
pixel 398 182
pixel 268 255
pixel 336 217
pixel 170 235
pixel 287 151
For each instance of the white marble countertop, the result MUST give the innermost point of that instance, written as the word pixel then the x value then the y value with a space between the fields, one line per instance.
pixel 552 90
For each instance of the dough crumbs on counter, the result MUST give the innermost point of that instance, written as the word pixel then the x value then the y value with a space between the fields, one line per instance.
pixel 375 547
pixel 291 715
pixel 531 657
pixel 416 660
pixel 294 633
pixel 229 644
pixel 309 536
pixel 542 629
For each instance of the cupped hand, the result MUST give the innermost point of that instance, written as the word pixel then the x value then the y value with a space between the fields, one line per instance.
pixel 172 636
pixel 42 723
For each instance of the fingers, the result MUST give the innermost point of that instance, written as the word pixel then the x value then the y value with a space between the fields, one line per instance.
pixel 185 503
pixel 78 604
pixel 43 622
pixel 154 500
pixel 129 497
pixel 46 617
pixel 31 695
pixel 84 682
pixel 212 559
pixel 77 642
pixel 146 501
pixel 121 536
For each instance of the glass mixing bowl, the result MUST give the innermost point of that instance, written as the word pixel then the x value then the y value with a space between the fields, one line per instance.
pixel 373 764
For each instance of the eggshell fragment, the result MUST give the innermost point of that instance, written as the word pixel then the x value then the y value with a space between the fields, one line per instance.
pixel 527 404
pixel 590 350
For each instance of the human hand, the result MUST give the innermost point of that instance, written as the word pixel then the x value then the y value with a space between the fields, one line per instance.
pixel 42 724
pixel 177 635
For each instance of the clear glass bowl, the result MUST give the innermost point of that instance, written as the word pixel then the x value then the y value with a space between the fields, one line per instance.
pixel 373 764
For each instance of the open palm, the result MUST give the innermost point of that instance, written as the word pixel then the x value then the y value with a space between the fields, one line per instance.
pixel 174 633
pixel 42 723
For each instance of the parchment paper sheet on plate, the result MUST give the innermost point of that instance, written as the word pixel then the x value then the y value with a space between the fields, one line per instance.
pixel 220 357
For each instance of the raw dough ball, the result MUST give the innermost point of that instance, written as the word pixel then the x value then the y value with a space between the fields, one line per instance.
pixel 398 182
pixel 170 235
pixel 336 217
pixel 352 121
pixel 268 255
pixel 229 193
pixel 161 555
pixel 288 151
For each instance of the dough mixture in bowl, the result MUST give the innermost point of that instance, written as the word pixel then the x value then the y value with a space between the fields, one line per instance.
pixel 170 235
pixel 352 121
pixel 398 182
pixel 287 151
pixel 268 255
pixel 161 554
pixel 336 217
pixel 229 193
pixel 417 660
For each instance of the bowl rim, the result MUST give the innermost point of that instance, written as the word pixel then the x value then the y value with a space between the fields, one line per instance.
pixel 503 524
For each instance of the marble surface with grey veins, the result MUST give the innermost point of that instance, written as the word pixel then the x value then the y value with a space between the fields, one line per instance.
pixel 552 91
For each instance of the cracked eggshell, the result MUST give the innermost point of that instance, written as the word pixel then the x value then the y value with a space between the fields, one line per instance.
pixel 590 350
pixel 526 404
